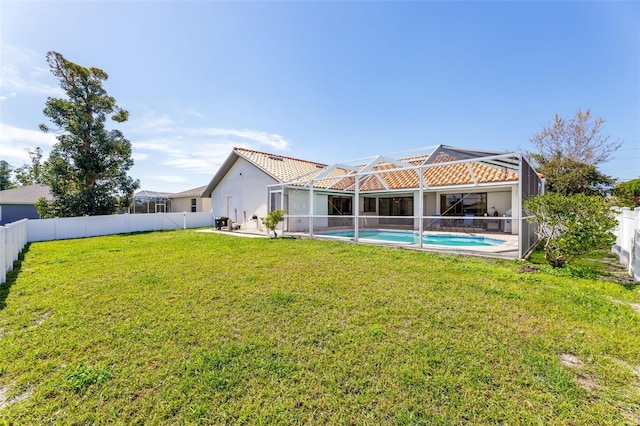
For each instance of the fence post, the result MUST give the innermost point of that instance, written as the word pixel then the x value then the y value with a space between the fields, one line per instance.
pixel 3 259
pixel 8 255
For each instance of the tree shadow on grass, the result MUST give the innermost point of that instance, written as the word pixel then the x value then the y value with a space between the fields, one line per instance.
pixel 12 276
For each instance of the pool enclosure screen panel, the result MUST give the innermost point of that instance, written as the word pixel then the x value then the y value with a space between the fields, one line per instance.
pixel 531 185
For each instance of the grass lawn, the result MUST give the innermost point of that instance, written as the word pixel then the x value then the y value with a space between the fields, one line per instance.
pixel 197 328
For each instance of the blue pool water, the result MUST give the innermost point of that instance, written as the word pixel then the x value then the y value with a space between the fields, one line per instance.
pixel 410 237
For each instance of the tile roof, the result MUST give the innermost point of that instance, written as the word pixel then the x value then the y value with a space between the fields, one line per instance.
pixel 25 194
pixel 282 168
pixel 300 172
pixel 434 176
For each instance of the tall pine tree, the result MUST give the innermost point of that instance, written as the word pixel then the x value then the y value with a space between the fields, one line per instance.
pixel 87 168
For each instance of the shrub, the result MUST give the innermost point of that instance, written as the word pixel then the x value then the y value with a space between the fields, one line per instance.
pixel 272 220
pixel 570 226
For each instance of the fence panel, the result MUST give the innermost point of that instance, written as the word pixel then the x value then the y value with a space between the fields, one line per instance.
pixel 13 238
pixel 91 226
pixel 627 245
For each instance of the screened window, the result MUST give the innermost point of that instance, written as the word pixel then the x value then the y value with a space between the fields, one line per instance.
pixel 369 205
pixel 194 205
pixel 340 206
pixel 463 204
pixel 396 206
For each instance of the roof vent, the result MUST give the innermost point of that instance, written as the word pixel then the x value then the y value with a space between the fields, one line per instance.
pixel 276 157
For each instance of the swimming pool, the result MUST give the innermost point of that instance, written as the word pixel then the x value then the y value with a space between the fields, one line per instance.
pixel 410 237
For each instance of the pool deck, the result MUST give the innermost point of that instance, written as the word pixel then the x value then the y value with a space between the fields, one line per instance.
pixel 508 250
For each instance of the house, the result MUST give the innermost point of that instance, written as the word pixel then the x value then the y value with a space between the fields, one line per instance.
pixel 239 189
pixel 190 200
pixel 442 188
pixel 151 202
pixel 19 203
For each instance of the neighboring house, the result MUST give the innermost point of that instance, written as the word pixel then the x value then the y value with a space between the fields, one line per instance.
pixel 151 202
pixel 447 188
pixel 19 203
pixel 190 200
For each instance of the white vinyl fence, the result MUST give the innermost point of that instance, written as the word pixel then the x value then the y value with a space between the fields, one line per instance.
pixel 13 238
pixel 627 245
pixel 92 226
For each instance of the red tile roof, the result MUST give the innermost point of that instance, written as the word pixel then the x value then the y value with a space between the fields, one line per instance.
pixel 287 169
pixel 280 167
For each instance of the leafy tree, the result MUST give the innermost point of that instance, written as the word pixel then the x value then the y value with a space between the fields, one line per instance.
pixel 570 226
pixel 87 168
pixel 272 220
pixel 28 175
pixel 5 175
pixel 628 193
pixel 566 176
pixel 569 151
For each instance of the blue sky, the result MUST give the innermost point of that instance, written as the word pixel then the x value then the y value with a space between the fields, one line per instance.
pixel 325 81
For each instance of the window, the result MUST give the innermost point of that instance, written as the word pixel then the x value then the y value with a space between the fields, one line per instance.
pixel 340 206
pixel 194 205
pixel 369 205
pixel 463 204
pixel 396 206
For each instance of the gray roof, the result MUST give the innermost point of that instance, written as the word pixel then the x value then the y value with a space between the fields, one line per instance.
pixel 193 192
pixel 25 194
pixel 151 194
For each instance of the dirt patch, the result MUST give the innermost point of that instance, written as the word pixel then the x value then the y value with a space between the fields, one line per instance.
pixel 635 307
pixel 4 397
pixel 615 272
pixel 529 269
pixel 587 383
pixel 40 319
pixel 570 360
pixel 632 415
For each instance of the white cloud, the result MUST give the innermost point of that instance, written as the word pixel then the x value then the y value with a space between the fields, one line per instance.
pixel 25 71
pixel 202 150
pixel 8 95
pixel 15 143
pixel 251 137
pixel 149 122
pixel 170 178
pixel 140 156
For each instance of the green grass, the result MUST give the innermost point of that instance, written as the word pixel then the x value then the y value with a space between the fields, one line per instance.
pixel 196 328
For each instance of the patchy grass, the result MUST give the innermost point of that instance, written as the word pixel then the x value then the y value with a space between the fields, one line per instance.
pixel 195 328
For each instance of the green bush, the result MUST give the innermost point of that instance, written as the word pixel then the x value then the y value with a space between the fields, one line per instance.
pixel 272 220
pixel 570 226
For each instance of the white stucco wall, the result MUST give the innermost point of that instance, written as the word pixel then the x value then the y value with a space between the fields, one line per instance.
pixel 241 194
